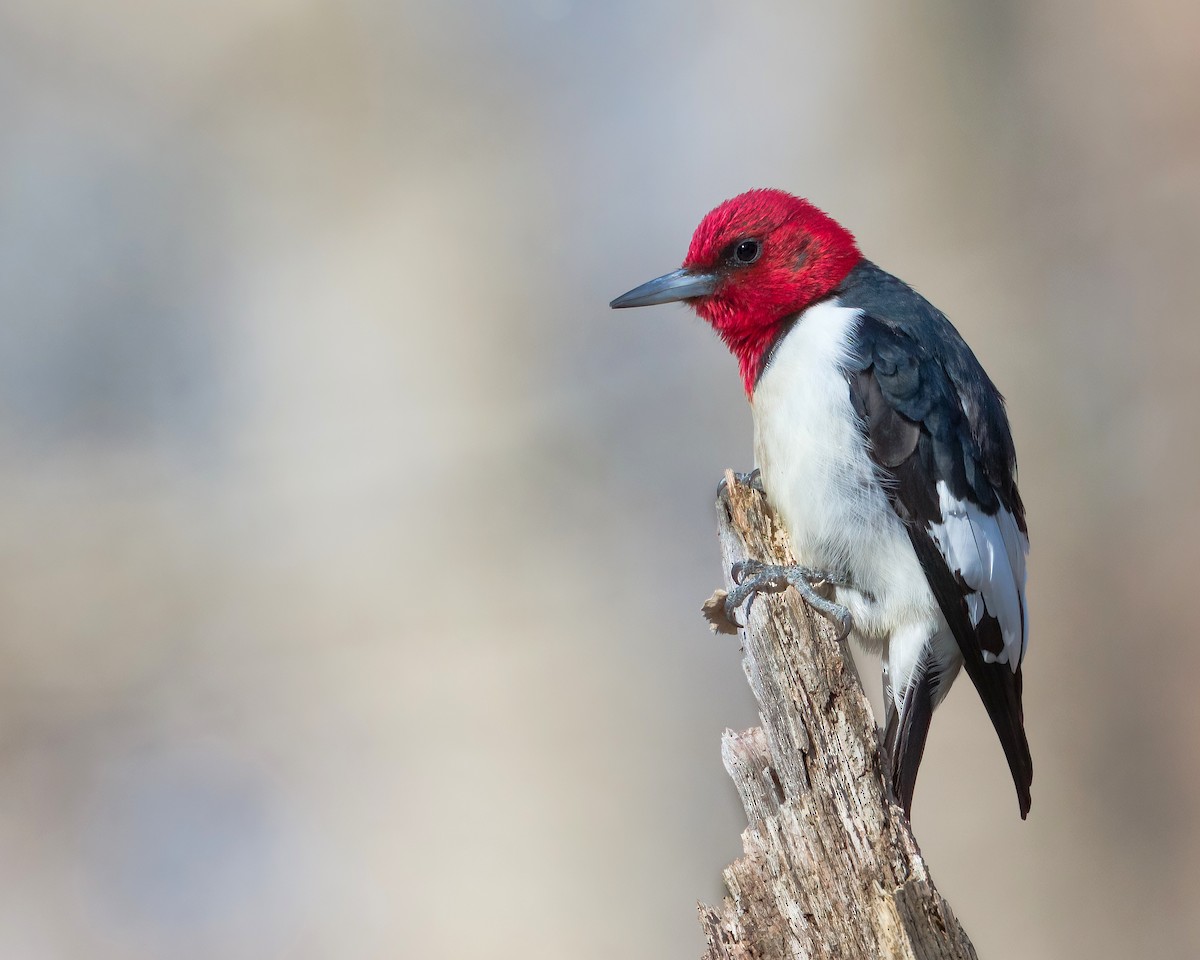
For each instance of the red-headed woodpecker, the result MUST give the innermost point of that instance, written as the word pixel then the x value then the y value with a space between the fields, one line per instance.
pixel 886 451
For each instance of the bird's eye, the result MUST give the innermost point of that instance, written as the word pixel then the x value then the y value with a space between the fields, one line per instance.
pixel 747 251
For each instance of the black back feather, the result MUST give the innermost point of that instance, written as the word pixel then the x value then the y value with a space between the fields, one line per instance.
pixel 935 416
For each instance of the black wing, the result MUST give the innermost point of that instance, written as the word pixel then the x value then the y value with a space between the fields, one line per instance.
pixel 939 435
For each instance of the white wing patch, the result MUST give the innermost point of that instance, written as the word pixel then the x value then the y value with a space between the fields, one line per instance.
pixel 988 552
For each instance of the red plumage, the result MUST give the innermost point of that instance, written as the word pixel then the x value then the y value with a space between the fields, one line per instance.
pixel 805 255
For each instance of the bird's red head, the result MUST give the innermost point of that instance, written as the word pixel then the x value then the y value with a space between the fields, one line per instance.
pixel 756 261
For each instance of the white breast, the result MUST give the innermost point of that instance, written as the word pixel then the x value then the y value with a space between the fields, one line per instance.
pixel 819 477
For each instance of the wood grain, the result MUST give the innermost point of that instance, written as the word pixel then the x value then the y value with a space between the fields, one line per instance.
pixel 830 867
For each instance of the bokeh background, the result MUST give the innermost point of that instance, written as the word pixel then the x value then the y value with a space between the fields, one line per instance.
pixel 351 549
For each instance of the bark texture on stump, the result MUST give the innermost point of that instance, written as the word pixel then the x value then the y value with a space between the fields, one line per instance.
pixel 830 867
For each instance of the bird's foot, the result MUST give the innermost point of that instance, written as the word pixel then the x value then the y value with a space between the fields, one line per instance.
pixel 753 577
pixel 753 479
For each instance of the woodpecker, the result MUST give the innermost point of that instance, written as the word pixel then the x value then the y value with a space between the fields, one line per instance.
pixel 886 451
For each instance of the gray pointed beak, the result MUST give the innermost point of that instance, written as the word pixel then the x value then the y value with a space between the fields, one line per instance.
pixel 682 284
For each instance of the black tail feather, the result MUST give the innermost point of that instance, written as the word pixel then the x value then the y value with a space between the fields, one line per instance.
pixel 1000 689
pixel 905 735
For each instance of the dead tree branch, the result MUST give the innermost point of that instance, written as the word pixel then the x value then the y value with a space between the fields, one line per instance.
pixel 830 868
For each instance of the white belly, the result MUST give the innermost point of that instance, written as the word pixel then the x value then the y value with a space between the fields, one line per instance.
pixel 819 478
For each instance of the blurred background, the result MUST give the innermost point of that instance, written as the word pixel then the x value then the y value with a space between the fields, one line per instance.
pixel 352 549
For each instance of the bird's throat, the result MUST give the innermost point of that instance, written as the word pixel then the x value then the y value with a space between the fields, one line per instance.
pixel 752 348
pixel 751 318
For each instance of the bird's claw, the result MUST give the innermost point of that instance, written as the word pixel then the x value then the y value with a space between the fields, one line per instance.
pixel 752 577
pixel 753 479
pixel 746 568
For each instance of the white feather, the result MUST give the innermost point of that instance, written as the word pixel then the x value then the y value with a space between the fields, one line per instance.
pixel 989 553
pixel 1016 545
